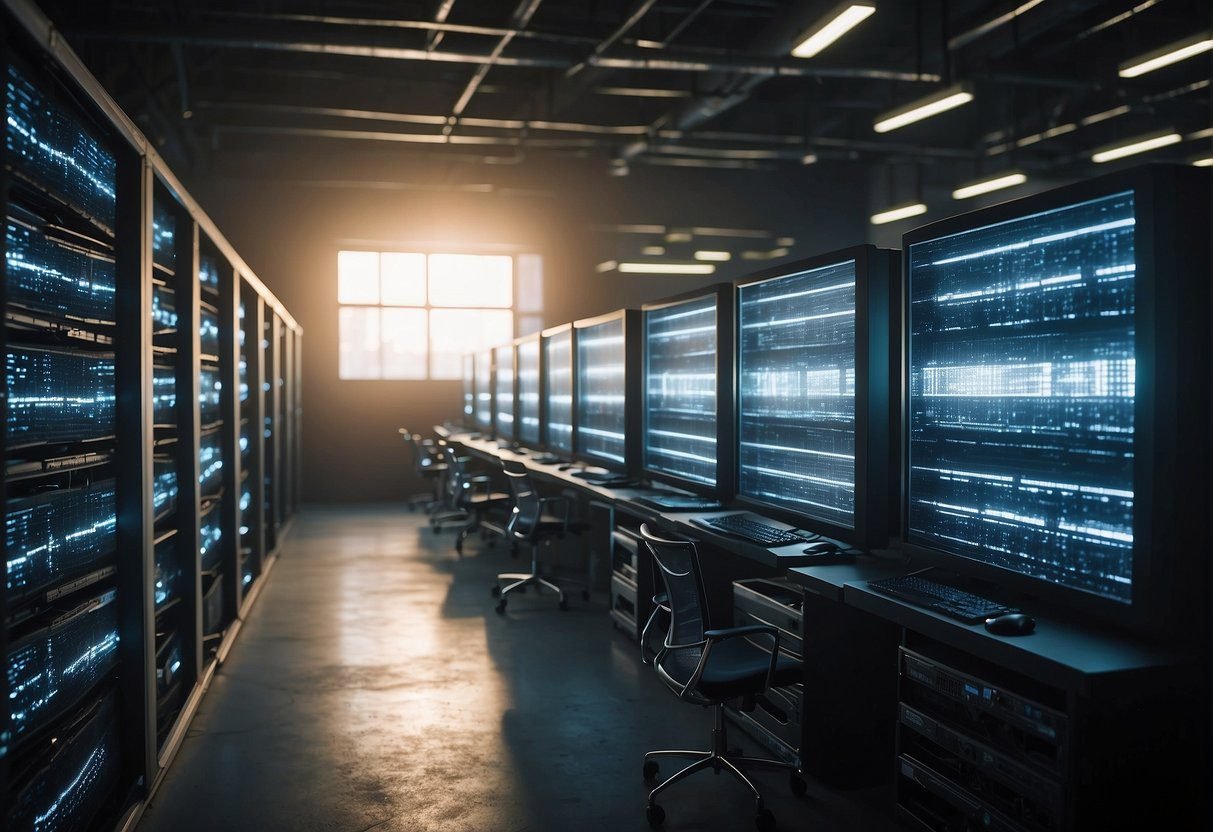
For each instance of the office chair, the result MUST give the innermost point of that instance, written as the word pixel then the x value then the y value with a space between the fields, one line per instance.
pixel 472 495
pixel 534 522
pixel 428 467
pixel 709 668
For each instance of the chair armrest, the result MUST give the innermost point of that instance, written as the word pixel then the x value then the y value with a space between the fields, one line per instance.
pixel 747 630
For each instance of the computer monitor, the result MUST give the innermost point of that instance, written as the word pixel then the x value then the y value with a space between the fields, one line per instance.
pixel 529 416
pixel 688 390
pixel 503 391
pixel 1057 393
pixel 469 391
pixel 815 406
pixel 558 359
pixel 483 387
pixel 608 390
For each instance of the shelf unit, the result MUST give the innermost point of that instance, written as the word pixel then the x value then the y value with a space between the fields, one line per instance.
pixel 138 529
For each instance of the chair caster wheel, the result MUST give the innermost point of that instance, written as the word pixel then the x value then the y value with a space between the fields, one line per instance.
pixel 563 606
pixel 501 607
pixel 764 821
pixel 585 595
pixel 798 785
pixel 495 591
pixel 655 815
pixel 650 771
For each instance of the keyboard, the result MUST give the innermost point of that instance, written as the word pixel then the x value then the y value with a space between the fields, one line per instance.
pixel 755 530
pixel 940 598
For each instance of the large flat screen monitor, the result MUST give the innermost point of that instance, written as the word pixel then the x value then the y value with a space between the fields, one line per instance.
pixel 558 390
pixel 688 390
pixel 469 391
pixel 529 414
pixel 1053 346
pixel 503 391
pixel 608 382
pixel 816 364
pixel 483 387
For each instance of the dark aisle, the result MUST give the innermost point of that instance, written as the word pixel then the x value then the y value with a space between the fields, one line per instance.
pixel 375 688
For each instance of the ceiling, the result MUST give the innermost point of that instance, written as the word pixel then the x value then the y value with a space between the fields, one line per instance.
pixel 685 83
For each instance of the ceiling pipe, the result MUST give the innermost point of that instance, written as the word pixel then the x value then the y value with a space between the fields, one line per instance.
pixel 967 37
pixel 434 36
pixel 670 63
pixel 522 17
pixel 685 22
pixel 639 11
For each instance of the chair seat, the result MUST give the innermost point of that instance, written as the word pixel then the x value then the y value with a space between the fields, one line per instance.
pixel 492 498
pixel 735 668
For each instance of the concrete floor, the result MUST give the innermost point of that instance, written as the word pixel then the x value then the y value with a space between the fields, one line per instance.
pixel 374 687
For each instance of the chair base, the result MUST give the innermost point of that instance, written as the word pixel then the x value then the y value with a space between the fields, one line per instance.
pixel 519 581
pixel 718 759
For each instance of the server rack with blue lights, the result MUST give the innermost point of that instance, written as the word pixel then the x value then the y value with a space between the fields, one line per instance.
pixel 124 580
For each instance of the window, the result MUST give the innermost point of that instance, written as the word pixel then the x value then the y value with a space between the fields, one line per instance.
pixel 408 315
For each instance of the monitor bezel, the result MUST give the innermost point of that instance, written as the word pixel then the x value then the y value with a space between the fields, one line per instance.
pixel 468 361
pixel 725 294
pixel 1161 224
pixel 545 443
pixel 631 391
pixel 536 338
pixel 877 291
pixel 490 428
pixel 501 433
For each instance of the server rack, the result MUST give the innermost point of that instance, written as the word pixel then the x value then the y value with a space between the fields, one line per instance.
pixel 129 449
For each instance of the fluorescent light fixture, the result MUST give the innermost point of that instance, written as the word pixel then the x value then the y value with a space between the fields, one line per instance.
pixel 830 28
pixel 714 256
pixel 785 241
pixel 1203 161
pixel 1171 54
pixel 985 186
pixel 773 254
pixel 666 268
pixel 932 105
pixel 653 251
pixel 808 158
pixel 1141 144
pixel 678 237
pixel 901 212
pixel 606 266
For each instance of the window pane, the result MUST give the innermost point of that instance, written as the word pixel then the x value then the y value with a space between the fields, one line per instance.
pixel 471 280
pixel 456 331
pixel 358 338
pixel 357 277
pixel 403 279
pixel 404 343
pixel 530 283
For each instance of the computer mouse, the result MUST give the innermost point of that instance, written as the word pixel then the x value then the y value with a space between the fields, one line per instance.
pixel 821 547
pixel 1011 624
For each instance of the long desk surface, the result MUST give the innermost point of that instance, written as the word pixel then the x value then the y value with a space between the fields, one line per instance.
pixel 1070 653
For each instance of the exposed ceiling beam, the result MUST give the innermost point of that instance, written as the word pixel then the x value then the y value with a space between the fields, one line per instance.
pixel 434 36
pixel 521 18
pixel 632 60
pixel 638 11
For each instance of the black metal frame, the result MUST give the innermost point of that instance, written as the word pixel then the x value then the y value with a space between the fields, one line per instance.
pixel 632 336
pixel 1171 446
pixel 726 390
pixel 877 406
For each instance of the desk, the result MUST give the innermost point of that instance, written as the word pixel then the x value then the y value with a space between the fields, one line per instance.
pixel 1133 707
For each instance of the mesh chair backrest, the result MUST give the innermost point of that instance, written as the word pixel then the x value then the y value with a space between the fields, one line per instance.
pixel 678 565
pixel 455 483
pixel 526 500
pixel 420 457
